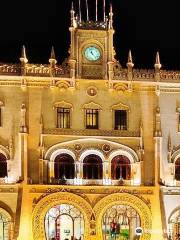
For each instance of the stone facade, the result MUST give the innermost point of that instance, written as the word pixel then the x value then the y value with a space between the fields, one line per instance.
pixel 30 140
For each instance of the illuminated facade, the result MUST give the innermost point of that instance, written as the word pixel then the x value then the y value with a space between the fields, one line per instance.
pixel 89 150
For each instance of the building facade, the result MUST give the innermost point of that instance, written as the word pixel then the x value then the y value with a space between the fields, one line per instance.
pixel 89 150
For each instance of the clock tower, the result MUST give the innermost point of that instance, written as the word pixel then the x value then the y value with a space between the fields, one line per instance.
pixel 91 51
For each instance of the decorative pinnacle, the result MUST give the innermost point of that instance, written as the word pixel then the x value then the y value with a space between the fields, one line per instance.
pixel 52 57
pixel 72 6
pixel 23 57
pixel 157 64
pixel 111 17
pixel 130 61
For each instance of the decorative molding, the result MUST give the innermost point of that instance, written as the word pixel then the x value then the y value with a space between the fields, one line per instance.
pixel 63 104
pixel 1 104
pixel 92 91
pixel 5 151
pixel 92 105
pixel 92 132
pixel 120 106
pixel 175 155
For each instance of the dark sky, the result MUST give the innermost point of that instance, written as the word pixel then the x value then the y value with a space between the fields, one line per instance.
pixel 145 26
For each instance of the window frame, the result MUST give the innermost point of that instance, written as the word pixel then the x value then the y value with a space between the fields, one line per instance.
pixel 91 115
pixel 121 128
pixel 58 117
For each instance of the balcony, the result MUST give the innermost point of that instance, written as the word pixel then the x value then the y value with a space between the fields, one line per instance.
pixel 92 132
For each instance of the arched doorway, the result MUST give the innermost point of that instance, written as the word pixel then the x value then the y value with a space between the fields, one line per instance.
pixel 174 226
pixel 3 166
pixel 64 222
pixel 120 168
pixel 92 167
pixel 6 227
pixel 119 223
pixel 64 167
pixel 177 169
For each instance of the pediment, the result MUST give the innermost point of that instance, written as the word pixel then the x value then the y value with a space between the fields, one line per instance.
pixel 92 105
pixel 63 104
pixel 120 106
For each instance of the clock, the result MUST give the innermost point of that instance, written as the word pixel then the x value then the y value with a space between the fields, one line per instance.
pixel 92 53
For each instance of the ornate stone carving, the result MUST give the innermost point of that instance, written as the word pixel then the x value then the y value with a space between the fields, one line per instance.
pixel 92 105
pixel 120 106
pixel 106 147
pixel 63 104
pixel 92 91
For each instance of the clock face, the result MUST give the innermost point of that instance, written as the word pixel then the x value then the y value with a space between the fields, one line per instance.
pixel 92 53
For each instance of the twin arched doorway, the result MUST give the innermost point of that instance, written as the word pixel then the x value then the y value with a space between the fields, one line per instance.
pixel 67 216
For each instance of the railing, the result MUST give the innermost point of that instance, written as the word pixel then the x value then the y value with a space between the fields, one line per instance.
pixel 35 70
pixel 92 132
pixel 90 182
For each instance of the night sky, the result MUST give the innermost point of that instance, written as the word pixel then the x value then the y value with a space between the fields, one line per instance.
pixel 144 26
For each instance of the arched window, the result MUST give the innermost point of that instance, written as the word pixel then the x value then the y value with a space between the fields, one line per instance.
pixel 177 169
pixel 64 167
pixel 92 167
pixel 120 168
pixel 3 166
pixel 5 225
pixel 64 222
pixel 120 222
pixel 174 226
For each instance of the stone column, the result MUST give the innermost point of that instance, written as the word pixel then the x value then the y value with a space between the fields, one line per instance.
pixel 51 171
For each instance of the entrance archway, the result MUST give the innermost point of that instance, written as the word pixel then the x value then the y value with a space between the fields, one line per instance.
pixel 174 225
pixel 60 199
pixel 6 225
pixel 119 223
pixel 64 221
pixel 126 201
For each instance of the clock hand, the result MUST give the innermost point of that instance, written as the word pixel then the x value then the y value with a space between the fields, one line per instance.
pixel 92 53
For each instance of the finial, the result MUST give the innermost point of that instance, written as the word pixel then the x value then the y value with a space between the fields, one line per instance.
pixel 111 17
pixel 52 53
pixel 52 57
pixel 130 61
pixel 157 64
pixel 72 6
pixel 23 57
